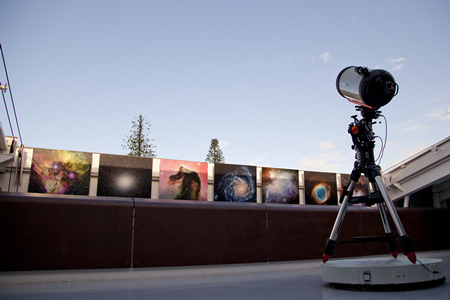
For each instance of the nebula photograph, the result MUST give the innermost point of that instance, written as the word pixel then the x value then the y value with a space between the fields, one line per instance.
pixel 234 183
pixel 125 176
pixel 60 172
pixel 320 188
pixel 361 187
pixel 280 186
pixel 183 180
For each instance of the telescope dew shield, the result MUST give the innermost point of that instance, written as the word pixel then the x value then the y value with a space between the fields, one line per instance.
pixel 370 88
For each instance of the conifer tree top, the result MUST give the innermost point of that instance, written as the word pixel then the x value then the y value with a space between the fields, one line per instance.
pixel 215 154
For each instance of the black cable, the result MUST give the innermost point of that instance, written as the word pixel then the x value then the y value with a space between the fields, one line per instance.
pixel 383 145
pixel 13 138
pixel 10 93
pixel 7 113
pixel 385 131
pixel 432 272
pixel 19 165
pixel 380 155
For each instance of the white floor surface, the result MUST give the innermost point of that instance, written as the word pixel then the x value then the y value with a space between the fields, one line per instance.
pixel 279 281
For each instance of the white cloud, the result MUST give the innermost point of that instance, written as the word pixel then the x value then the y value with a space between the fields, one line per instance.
pixel 440 114
pixel 395 60
pixel 327 163
pixel 258 159
pixel 326 160
pixel 394 64
pixel 326 57
pixel 405 153
pixel 326 146
pixel 289 58
pixel 440 97
pixel 311 163
pixel 396 68
pixel 407 123
pixel 223 144
pixel 411 128
pixel 411 125
pixel 303 54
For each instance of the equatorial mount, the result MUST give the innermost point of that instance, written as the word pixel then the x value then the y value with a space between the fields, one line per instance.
pixel 363 141
pixel 364 144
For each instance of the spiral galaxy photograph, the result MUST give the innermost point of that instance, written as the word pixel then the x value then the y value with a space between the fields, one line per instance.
pixel 60 172
pixel 320 188
pixel 279 186
pixel 124 176
pixel 183 180
pixel 234 183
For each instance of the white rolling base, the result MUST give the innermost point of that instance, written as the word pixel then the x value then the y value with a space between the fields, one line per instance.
pixel 384 271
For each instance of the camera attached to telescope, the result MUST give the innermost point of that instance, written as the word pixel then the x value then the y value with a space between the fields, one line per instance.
pixel 366 87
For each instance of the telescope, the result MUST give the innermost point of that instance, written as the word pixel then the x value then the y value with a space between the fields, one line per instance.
pixel 370 89
pixel 366 87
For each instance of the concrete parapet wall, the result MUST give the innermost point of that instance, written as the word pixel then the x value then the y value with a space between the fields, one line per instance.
pixel 56 232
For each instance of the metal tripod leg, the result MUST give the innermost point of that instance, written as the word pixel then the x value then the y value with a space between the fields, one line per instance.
pixel 329 248
pixel 404 239
pixel 387 228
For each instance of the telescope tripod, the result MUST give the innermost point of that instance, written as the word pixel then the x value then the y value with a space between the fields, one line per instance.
pixel 363 144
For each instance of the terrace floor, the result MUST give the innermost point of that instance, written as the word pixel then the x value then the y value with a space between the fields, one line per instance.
pixel 284 280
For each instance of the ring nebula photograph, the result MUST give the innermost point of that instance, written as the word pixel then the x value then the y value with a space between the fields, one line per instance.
pixel 279 186
pixel 60 172
pixel 320 188
pixel 234 183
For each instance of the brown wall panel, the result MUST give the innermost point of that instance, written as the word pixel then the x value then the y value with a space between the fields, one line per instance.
pixel 372 226
pixel 181 233
pixel 427 227
pixel 45 232
pixel 301 232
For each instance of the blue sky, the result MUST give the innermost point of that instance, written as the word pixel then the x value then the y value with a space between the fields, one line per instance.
pixel 257 75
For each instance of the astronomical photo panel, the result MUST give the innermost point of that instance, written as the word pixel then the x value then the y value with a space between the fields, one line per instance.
pixel 125 176
pixel 361 187
pixel 183 180
pixel 320 188
pixel 280 186
pixel 234 183
pixel 60 172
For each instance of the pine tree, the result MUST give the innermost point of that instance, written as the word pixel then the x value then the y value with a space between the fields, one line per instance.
pixel 215 155
pixel 137 143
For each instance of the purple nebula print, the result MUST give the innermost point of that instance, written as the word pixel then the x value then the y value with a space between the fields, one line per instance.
pixel 280 186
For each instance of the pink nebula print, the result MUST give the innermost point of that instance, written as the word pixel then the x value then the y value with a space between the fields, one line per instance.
pixel 183 180
pixel 60 172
